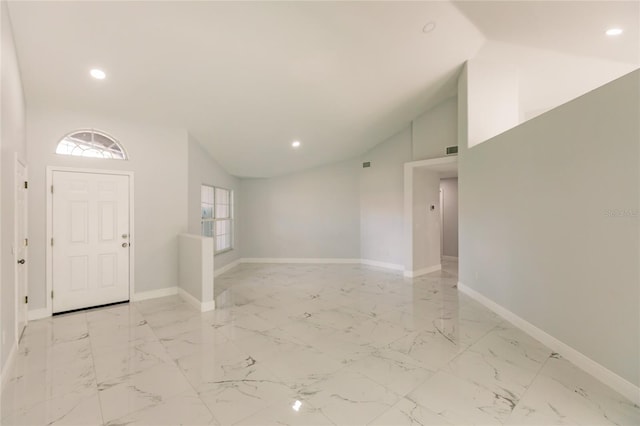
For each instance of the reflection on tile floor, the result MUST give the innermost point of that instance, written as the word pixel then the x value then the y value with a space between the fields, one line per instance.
pixel 305 345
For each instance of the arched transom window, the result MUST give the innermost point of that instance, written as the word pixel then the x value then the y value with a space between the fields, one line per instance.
pixel 91 143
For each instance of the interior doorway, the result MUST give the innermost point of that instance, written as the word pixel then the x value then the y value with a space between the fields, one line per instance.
pixel 426 222
pixel 91 236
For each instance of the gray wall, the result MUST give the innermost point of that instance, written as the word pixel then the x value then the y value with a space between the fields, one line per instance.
pixel 312 214
pixel 549 222
pixel 435 130
pixel 158 158
pixel 203 169
pixel 449 188
pixel 382 200
pixel 12 141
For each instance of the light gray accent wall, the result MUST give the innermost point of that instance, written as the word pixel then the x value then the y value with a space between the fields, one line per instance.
pixel 435 130
pixel 549 222
pixel 204 169
pixel 311 214
pixel 449 188
pixel 158 158
pixel 12 141
pixel 382 200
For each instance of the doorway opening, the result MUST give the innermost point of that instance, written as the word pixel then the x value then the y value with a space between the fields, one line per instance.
pixel 430 241
pixel 449 223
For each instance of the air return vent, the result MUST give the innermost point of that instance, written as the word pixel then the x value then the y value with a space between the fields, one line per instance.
pixel 451 150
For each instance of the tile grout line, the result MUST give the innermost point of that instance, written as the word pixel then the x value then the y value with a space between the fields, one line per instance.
pixel 175 363
pixel 95 373
pixel 521 398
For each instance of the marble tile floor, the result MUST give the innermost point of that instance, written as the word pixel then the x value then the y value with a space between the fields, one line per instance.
pixel 301 345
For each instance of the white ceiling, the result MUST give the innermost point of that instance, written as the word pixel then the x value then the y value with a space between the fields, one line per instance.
pixel 247 78
pixel 574 27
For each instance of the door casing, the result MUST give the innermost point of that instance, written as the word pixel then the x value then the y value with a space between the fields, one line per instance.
pixel 49 252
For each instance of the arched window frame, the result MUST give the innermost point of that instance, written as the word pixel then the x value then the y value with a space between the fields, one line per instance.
pixel 100 147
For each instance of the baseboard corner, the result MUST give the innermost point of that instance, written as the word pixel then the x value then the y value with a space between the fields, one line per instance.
pixel 154 294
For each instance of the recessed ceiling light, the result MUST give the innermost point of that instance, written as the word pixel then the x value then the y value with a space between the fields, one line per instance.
pixel 429 26
pixel 295 144
pixel 98 74
pixel 614 31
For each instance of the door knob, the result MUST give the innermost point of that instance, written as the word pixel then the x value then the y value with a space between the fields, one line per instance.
pixel 125 245
pixel 21 261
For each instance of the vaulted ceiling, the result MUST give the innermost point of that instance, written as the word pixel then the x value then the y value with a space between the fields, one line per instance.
pixel 248 78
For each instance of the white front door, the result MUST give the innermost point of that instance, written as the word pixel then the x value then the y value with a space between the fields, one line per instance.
pixel 21 244
pixel 90 239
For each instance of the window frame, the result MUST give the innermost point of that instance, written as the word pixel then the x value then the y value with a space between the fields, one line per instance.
pixel 106 135
pixel 213 219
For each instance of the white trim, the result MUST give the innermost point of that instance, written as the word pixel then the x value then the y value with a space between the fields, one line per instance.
pixel 590 366
pixel 431 162
pixel 201 306
pixel 385 265
pixel 153 294
pixel 189 298
pixel 4 376
pixel 423 271
pixel 315 260
pixel 225 268
pixel 452 258
pixel 208 306
pixel 296 260
pixel 49 230
pixel 37 314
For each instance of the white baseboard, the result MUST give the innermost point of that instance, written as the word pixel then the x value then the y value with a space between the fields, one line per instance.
pixel 598 371
pixel 6 368
pixel 452 258
pixel 208 306
pixel 201 306
pixel 296 260
pixel 327 260
pixel 153 294
pixel 378 264
pixel 37 314
pixel 423 271
pixel 225 268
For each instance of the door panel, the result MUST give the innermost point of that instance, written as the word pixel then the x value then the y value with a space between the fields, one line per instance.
pixel 21 246
pixel 90 225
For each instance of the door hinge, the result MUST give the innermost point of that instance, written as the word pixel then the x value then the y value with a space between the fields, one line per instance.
pixel 52 294
pixel 26 242
pixel 52 189
pixel 26 299
pixel 26 185
pixel 52 242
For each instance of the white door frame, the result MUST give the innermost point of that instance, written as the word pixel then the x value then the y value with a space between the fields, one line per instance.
pixel 132 234
pixel 441 164
pixel 17 163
